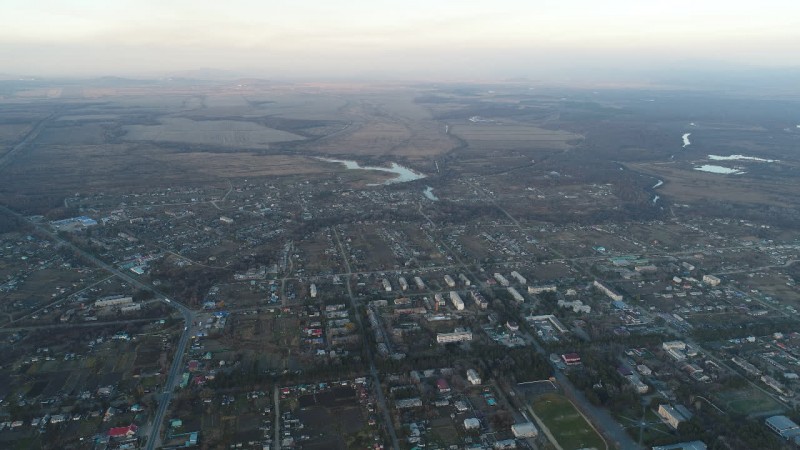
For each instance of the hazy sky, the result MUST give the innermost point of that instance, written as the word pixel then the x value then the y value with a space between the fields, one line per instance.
pixel 409 38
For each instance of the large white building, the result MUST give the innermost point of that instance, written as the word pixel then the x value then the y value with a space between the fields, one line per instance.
pixel 456 300
pixel 501 279
pixel 519 277
pixel 524 430
pixel 576 306
pixel 675 349
pixel 313 290
pixel 711 280
pixel 450 281
pixel 114 300
pixel 515 294
pixel 473 377
pixel 455 336
pixel 674 416
pixel 472 423
pixel 606 290
pixel 540 289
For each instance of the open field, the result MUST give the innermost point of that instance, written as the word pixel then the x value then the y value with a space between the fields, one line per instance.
pixel 684 184
pixel 243 164
pixel 510 136
pixel 567 425
pixel 225 133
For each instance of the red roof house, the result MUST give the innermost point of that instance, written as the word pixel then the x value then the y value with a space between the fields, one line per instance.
pixel 118 432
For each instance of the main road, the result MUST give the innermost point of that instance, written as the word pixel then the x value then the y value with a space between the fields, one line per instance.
pixel 387 418
pixel 188 316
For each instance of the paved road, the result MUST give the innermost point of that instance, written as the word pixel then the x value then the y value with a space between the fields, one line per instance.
pixel 188 316
pixel 276 442
pixel 609 428
pixel 373 371
pixel 154 439
pixel 77 325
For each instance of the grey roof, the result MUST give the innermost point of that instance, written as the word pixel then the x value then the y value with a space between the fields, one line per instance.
pixel 781 423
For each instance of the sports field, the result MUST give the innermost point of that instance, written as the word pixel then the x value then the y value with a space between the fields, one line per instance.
pixel 565 423
pixel 746 401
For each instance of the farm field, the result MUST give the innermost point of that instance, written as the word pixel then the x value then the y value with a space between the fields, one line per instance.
pixel 493 135
pixel 225 133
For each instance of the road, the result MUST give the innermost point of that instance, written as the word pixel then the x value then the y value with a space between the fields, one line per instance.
pixel 73 326
pixel 6 159
pixel 154 439
pixel 387 418
pixel 276 441
pixel 188 317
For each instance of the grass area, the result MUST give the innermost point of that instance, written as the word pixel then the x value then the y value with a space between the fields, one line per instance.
pixel 565 423
pixel 747 401
pixel 654 430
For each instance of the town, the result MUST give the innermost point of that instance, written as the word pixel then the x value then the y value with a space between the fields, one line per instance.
pixel 329 306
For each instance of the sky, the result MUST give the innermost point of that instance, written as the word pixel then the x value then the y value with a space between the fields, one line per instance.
pixel 421 39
